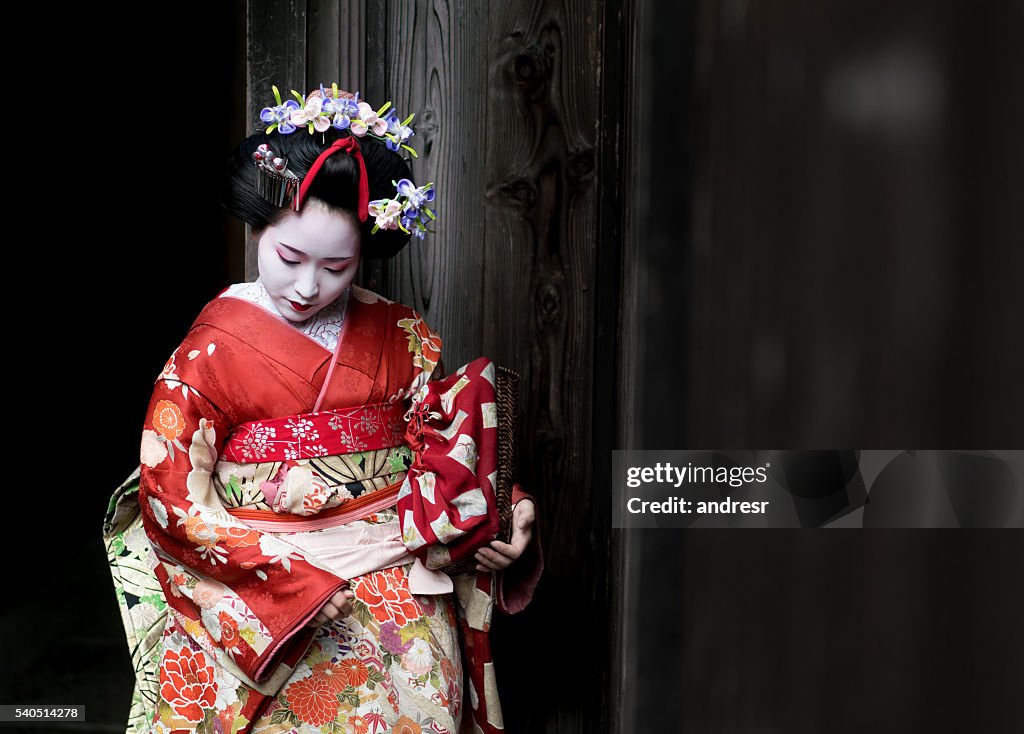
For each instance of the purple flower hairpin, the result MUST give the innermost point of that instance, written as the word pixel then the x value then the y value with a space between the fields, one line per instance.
pixel 325 108
pixel 408 211
pixel 279 116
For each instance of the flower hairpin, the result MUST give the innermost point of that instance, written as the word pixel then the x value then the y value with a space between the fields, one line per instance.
pixel 321 110
pixel 326 108
pixel 408 211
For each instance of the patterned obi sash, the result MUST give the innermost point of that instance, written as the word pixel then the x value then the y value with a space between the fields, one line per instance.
pixel 291 441
pixel 446 501
pixel 325 433
pixel 326 535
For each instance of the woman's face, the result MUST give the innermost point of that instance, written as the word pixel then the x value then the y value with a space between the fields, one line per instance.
pixel 308 258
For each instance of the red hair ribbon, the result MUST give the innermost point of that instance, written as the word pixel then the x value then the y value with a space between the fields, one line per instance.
pixel 351 146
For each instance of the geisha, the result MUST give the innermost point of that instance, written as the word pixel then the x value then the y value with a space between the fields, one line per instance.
pixel 308 472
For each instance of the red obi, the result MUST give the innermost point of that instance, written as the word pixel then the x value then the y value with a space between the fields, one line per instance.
pixel 326 433
pixel 447 505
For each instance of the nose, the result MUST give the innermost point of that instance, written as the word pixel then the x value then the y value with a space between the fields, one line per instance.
pixel 306 284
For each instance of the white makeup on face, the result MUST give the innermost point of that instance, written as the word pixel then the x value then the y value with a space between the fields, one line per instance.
pixel 308 259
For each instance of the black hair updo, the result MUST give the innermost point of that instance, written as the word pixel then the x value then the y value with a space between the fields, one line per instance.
pixel 336 184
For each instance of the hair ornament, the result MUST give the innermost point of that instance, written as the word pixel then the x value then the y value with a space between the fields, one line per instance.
pixel 274 182
pixel 408 211
pixel 321 110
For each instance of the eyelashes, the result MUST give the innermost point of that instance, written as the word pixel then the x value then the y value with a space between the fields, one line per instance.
pixel 286 261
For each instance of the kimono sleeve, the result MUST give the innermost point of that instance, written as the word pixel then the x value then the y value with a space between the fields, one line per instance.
pixel 242 594
pixel 447 505
pixel 517 583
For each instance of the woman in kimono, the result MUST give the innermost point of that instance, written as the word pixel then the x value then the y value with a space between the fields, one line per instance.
pixel 307 471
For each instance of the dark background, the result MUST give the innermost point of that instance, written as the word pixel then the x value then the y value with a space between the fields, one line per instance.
pixel 829 202
pixel 846 272
pixel 126 244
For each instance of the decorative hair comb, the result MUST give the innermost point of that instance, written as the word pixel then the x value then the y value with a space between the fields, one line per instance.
pixel 321 110
pixel 274 182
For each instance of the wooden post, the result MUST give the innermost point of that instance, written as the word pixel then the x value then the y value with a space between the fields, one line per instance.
pixel 276 56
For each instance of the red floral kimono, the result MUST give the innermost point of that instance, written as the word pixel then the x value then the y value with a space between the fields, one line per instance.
pixel 257 510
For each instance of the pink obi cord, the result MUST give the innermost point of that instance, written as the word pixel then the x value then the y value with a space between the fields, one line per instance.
pixel 322 522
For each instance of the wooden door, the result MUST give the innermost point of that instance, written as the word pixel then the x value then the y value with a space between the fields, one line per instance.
pixel 520 122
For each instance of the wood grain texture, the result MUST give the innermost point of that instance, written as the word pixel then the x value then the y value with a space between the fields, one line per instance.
pixel 622 117
pixel 434 55
pixel 509 98
pixel 823 255
pixel 510 104
pixel 336 43
pixel 351 44
pixel 276 56
pixel 826 274
pixel 374 87
pixel 540 251
pixel 627 552
pixel 323 42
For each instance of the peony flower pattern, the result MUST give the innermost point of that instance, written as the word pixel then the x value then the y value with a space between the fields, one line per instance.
pixel 187 683
pixel 386 594
pixel 207 593
pixel 365 678
pixel 391 657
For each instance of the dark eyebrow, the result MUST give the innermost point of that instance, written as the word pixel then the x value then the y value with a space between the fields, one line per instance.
pixel 300 252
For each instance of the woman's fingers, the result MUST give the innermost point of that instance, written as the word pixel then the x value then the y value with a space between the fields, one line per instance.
pixel 522 527
pixel 492 560
pixel 524 514
pixel 334 609
pixel 499 554
pixel 346 606
pixel 511 551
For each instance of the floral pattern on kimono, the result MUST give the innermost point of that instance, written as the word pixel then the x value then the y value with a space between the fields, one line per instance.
pixel 216 609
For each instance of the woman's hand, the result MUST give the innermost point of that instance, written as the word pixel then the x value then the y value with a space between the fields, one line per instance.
pixel 334 609
pixel 500 555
